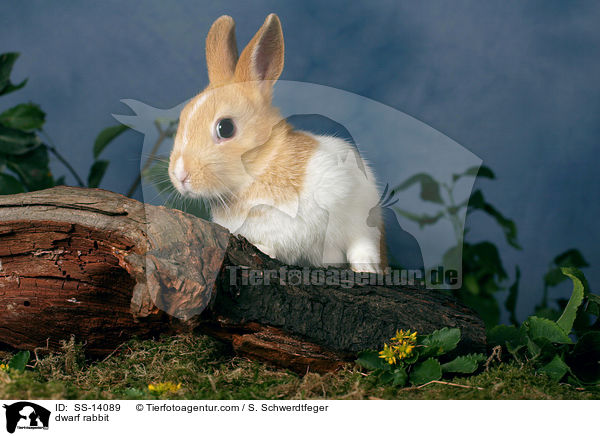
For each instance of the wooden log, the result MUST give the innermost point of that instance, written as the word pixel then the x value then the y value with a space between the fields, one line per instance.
pixel 105 268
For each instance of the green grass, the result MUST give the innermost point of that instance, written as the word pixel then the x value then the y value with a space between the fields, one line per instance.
pixel 206 370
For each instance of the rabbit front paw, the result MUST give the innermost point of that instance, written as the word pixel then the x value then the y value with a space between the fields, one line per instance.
pixel 363 256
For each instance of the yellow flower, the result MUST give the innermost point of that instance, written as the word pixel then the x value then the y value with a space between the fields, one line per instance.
pixel 3 367
pixel 405 336
pixel 400 347
pixel 404 350
pixel 163 388
pixel 388 354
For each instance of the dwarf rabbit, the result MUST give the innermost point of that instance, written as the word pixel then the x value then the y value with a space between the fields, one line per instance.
pixel 301 198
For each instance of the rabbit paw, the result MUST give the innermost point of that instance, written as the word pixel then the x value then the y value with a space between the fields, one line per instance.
pixel 363 256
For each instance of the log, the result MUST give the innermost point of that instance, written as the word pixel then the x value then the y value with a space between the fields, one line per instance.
pixel 105 268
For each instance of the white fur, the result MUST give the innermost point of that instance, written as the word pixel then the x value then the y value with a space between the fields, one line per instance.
pixel 195 108
pixel 327 223
pixel 179 170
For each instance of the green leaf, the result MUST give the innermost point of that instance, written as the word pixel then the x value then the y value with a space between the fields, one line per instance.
pixel 572 258
pixel 400 377
pixel 594 298
pixel 97 172
pixel 26 116
pixel 423 219
pixel 412 358
pixel 16 142
pixel 477 202
pixel 464 364
pixel 585 358
pixel 511 301
pixel 425 372
pixel 470 284
pixel 546 329
pixel 483 259
pixel 485 304
pixel 10 185
pixel 7 60
pixel 515 351
pixel 370 360
pixel 518 343
pixel 503 335
pixel 106 136
pixel 453 210
pixel 554 277
pixel 441 341
pixel 546 350
pixel 481 171
pixel 430 188
pixel 486 172
pixel 11 88
pixel 547 312
pixel 593 306
pixel 33 169
pixel 453 257
pixel 567 318
pixel 569 258
pixel 533 348
pixel 19 361
pixel 555 369
pixel 385 378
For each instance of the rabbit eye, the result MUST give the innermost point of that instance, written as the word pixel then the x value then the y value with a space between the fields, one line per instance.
pixel 225 128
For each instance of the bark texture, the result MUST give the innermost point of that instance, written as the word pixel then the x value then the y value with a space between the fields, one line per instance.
pixel 104 267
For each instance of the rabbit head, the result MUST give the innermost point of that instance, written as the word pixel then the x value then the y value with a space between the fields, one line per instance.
pixel 223 133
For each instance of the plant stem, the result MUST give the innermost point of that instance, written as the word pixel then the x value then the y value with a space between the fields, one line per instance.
pixel 458 230
pixel 439 382
pixel 52 148
pixel 162 135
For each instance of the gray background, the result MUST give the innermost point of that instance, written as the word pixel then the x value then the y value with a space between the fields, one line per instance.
pixel 514 82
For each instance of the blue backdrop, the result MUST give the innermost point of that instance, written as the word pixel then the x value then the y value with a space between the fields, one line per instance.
pixel 514 82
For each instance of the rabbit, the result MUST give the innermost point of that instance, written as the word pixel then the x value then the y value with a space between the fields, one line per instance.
pixel 295 195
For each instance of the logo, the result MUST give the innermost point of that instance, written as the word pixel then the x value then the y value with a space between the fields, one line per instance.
pixel 26 415
pixel 425 181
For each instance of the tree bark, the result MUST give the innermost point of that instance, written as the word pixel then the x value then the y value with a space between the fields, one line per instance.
pixel 104 268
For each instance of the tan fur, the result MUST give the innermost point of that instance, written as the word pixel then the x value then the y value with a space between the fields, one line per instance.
pixel 266 159
pixel 221 50
pixel 286 154
pixel 271 36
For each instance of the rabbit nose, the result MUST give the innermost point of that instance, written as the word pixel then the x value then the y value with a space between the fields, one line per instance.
pixel 184 177
pixel 180 172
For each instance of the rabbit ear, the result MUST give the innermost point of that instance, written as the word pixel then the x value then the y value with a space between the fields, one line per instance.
pixel 221 50
pixel 262 59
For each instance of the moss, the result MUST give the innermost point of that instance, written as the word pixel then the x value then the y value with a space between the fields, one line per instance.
pixel 206 371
